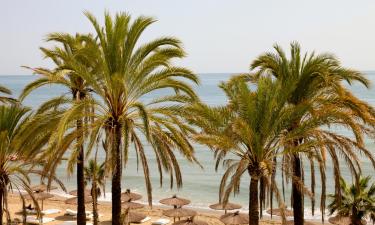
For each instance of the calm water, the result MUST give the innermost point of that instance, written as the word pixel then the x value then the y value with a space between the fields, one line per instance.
pixel 200 185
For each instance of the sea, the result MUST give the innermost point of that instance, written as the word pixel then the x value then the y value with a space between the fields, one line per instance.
pixel 200 185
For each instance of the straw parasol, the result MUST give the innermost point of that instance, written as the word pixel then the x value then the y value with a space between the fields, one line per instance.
pixel 175 201
pixel 39 196
pixel 75 192
pixel 342 220
pixel 128 195
pixel 74 200
pixel 42 187
pixel 234 218
pixel 178 213
pixel 190 221
pixel 277 212
pixel 132 205
pixel 134 217
pixel 228 206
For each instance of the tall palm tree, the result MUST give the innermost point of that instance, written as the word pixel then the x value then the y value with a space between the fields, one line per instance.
pixel 318 80
pixel 69 48
pixel 252 127
pixel 129 72
pixel 95 173
pixel 20 146
pixel 357 201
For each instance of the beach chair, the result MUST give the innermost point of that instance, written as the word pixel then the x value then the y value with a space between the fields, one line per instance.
pixel 35 220
pixel 161 222
pixel 51 211
pixel 145 219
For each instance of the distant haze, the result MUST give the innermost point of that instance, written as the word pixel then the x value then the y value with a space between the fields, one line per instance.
pixel 218 35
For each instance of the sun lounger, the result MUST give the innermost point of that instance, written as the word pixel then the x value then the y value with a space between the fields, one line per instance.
pixel 161 222
pixel 145 219
pixel 70 212
pixel 35 220
pixel 51 211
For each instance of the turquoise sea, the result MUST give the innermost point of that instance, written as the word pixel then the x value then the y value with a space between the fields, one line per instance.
pixel 199 185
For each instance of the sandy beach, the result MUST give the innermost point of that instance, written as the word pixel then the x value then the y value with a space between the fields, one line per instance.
pixel 57 202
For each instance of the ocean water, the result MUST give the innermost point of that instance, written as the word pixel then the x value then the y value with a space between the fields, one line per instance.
pixel 199 185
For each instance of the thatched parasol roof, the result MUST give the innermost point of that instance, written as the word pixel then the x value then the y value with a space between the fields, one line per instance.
pixel 39 196
pixel 179 212
pixel 190 221
pixel 74 200
pixel 75 192
pixel 130 196
pixel 228 206
pixel 42 187
pixel 132 205
pixel 175 201
pixel 234 218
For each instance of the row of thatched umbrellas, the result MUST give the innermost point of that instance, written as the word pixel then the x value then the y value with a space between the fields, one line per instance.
pixel 177 211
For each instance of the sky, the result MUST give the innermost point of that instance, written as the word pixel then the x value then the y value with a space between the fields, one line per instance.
pixel 219 36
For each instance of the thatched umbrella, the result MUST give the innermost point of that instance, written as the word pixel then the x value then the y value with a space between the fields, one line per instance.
pixel 277 212
pixel 342 220
pixel 225 207
pixel 74 200
pixel 134 217
pixel 132 205
pixel 75 192
pixel 39 196
pixel 190 221
pixel 234 218
pixel 128 195
pixel 175 201
pixel 42 187
pixel 179 212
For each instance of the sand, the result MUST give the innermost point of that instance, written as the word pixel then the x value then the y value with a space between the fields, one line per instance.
pixel 211 217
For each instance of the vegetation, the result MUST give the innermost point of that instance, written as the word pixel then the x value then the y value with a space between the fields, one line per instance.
pixel 95 174
pixel 357 201
pixel 317 80
pixel 68 49
pixel 278 117
pixel 20 146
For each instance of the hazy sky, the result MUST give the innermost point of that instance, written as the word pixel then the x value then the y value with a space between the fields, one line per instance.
pixel 219 36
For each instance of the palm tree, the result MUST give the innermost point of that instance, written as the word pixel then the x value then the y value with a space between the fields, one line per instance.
pixel 253 128
pixel 73 48
pixel 5 99
pixel 17 130
pixel 317 80
pixel 125 76
pixel 95 174
pixel 357 201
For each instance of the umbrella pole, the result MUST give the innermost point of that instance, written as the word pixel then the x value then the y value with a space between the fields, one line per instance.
pixel 225 211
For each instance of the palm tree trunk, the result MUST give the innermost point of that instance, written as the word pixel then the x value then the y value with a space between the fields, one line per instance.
pixel 116 177
pixel 297 201
pixel 81 211
pixel 94 202
pixel 1 205
pixel 253 202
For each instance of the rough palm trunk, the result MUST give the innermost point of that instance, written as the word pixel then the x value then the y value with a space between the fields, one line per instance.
pixel 355 220
pixel 94 201
pixel 1 205
pixel 297 200
pixel 253 202
pixel 81 211
pixel 116 177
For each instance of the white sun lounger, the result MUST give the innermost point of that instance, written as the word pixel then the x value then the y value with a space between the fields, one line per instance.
pixel 35 220
pixel 145 219
pixel 161 222
pixel 51 211
pixel 71 212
